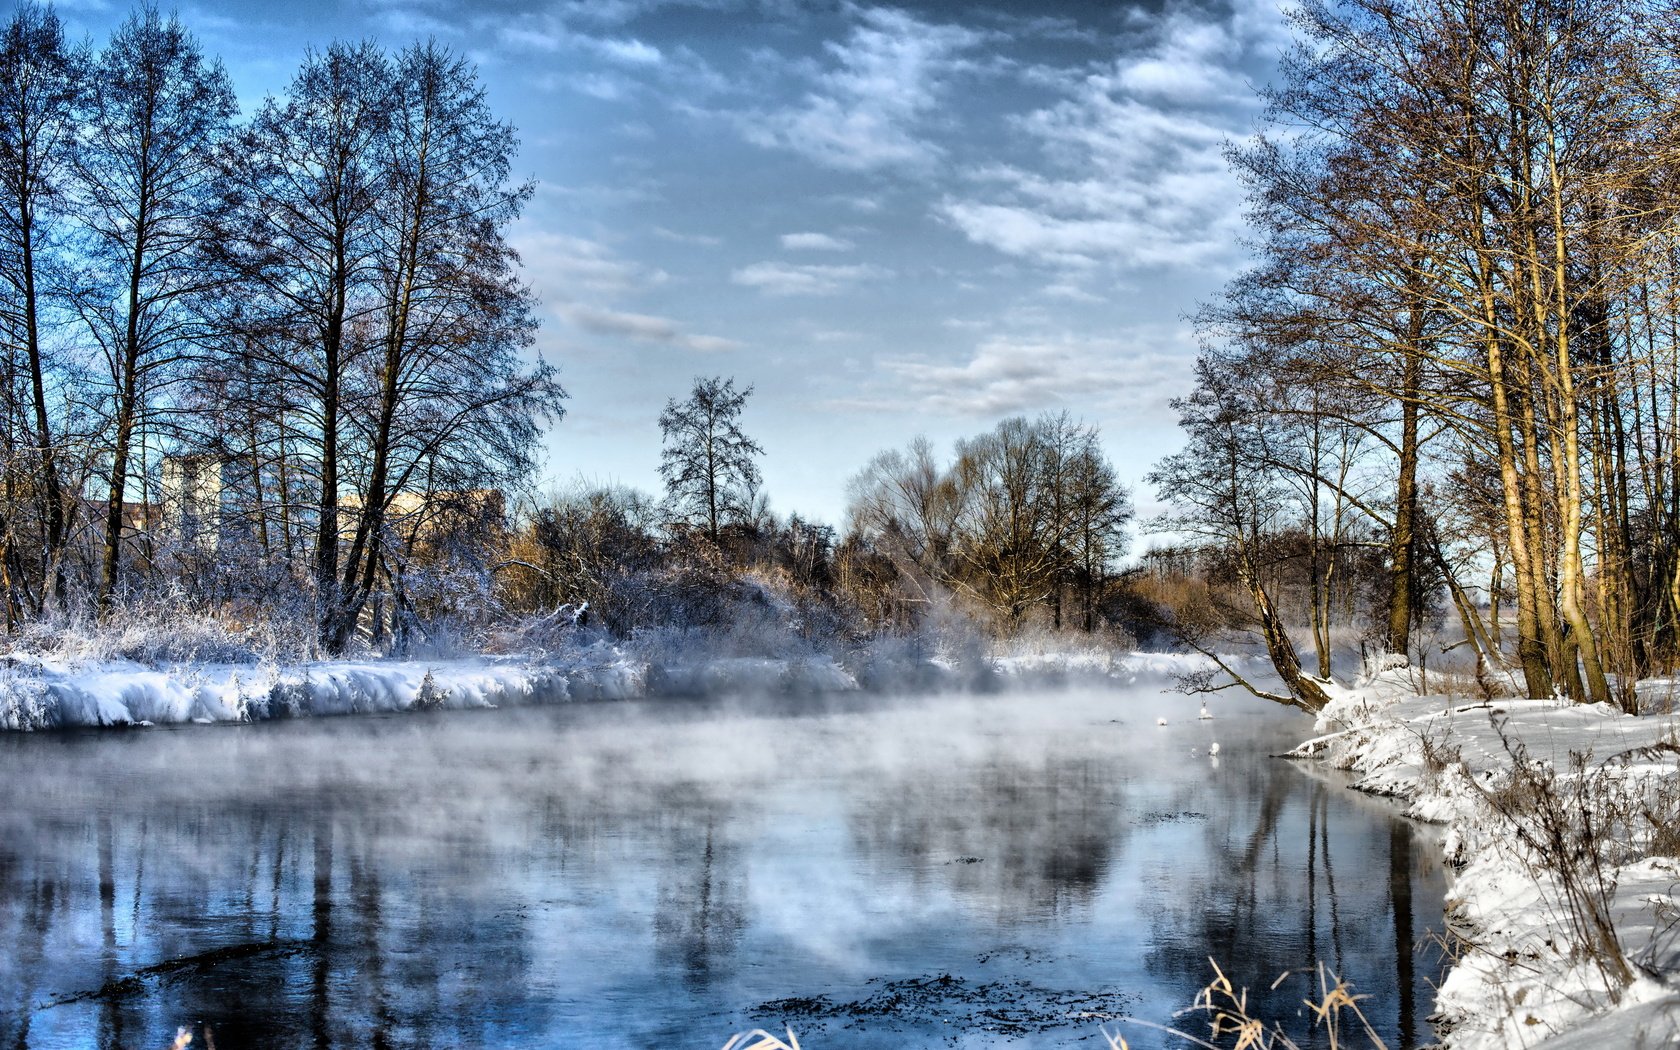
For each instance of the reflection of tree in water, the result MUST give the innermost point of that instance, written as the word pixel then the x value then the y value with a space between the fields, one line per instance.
pixel 1025 840
pixel 282 929
pixel 1269 901
pixel 699 913
pixel 701 909
pixel 27 905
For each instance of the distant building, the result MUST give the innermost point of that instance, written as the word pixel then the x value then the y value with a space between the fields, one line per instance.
pixel 192 490
pixel 207 503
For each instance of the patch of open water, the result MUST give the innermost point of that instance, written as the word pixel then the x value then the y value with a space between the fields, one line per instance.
pixel 1015 869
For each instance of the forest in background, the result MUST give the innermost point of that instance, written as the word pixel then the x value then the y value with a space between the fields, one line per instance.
pixel 274 372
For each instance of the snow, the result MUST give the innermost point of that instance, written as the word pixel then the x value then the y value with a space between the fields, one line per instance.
pixel 39 694
pixel 66 690
pixel 1522 977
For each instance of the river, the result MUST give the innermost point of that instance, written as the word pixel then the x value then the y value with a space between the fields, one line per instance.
pixel 1020 868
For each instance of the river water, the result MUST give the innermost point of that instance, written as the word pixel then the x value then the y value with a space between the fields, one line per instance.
pixel 1013 869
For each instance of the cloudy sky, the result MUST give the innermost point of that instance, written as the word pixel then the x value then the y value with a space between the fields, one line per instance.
pixel 890 220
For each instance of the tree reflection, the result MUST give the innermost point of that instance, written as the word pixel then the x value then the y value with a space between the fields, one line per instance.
pixel 374 885
pixel 1019 840
pixel 700 911
pixel 1263 900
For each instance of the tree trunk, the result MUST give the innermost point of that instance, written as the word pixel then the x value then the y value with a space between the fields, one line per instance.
pixel 127 412
pixel 1402 541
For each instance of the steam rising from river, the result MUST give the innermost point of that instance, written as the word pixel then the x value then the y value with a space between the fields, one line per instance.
pixel 530 874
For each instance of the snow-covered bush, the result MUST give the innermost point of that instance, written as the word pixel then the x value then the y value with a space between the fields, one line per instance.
pixel 168 630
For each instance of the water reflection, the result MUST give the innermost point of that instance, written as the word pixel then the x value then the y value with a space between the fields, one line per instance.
pixel 646 874
pixel 1017 840
pixel 1306 877
pixel 701 908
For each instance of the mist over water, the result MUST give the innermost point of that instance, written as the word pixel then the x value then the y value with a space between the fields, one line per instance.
pixel 1015 869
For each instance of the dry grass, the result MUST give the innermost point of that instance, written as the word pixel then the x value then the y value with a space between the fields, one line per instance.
pixel 1577 824
pixel 1232 1026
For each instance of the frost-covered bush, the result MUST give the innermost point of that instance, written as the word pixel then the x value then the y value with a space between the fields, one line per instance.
pixel 157 633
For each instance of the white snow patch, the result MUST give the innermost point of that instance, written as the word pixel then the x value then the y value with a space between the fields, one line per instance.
pixel 1524 983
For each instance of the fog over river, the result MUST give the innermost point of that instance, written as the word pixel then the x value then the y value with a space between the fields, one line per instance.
pixel 1012 869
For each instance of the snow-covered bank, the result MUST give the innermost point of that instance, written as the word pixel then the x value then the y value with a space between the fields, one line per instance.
pixel 1562 817
pixel 42 693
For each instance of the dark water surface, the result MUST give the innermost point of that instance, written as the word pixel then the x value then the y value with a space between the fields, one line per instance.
pixel 1005 870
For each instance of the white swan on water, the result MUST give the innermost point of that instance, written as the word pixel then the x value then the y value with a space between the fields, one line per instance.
pixel 1213 748
pixel 1160 721
pixel 1205 712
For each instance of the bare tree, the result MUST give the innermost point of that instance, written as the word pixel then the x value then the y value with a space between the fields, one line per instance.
pixel 307 176
pixel 1230 499
pixel 41 83
pixel 905 505
pixel 708 463
pixel 157 113
pixel 451 406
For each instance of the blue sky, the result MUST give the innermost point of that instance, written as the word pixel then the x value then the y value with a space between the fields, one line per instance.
pixel 890 220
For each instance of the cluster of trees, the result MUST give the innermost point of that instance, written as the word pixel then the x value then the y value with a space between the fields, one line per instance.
pixel 1026 525
pixel 318 301
pixel 1028 516
pixel 1458 347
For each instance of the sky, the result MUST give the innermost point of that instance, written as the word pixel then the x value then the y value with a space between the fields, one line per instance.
pixel 890 221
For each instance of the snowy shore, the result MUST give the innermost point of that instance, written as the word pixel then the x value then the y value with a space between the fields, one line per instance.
pixel 39 693
pixel 50 693
pixel 1559 815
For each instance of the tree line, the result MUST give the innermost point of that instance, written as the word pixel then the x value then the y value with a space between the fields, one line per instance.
pixel 1458 346
pixel 1024 526
pixel 314 307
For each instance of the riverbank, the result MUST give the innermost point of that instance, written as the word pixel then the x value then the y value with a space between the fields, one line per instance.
pixel 1563 920
pixel 52 692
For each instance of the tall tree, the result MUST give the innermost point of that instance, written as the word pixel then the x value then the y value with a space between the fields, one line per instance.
pixel 157 113
pixel 452 406
pixel 307 175
pixel 708 463
pixel 41 81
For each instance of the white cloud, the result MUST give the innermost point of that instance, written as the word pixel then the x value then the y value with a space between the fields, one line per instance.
pixel 865 111
pixel 551 33
pixel 815 242
pixel 1131 169
pixel 618 12
pixel 775 278
pixel 604 86
pixel 700 239
pixel 632 51
pixel 410 18
pixel 1071 292
pixel 1004 375
pixel 644 328
pixel 564 269
pixel 558 262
